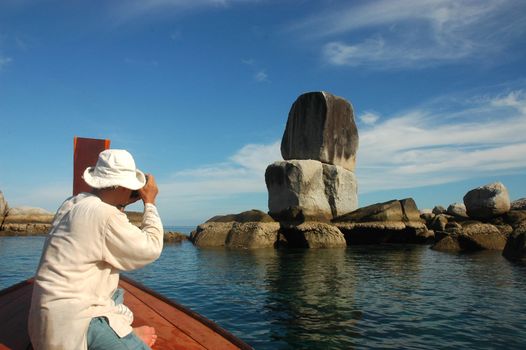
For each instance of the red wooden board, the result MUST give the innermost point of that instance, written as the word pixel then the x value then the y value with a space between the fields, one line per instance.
pixel 85 153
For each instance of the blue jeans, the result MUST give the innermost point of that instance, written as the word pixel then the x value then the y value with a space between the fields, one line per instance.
pixel 102 337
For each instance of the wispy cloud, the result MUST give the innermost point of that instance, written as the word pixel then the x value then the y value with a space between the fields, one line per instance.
pixel 4 61
pixel 369 118
pixel 388 34
pixel 260 75
pixel 423 147
pixel 243 172
pixel 132 9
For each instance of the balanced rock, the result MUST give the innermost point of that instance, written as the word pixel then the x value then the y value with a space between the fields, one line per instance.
pixel 487 201
pixel 321 126
pixel 303 190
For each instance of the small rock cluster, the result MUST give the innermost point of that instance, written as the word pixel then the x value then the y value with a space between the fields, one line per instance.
pixel 485 221
pixel 23 220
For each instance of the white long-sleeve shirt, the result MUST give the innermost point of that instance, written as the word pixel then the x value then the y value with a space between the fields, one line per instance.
pixel 89 244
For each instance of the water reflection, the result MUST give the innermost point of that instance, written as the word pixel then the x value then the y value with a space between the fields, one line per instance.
pixel 361 297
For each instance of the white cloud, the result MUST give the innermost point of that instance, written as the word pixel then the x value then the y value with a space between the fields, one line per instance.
pixel 388 34
pixel 242 173
pixel 127 10
pixel 422 147
pixel 261 76
pixel 4 61
pixel 369 118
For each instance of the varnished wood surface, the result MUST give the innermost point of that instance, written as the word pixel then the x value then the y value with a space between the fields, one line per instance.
pixel 177 327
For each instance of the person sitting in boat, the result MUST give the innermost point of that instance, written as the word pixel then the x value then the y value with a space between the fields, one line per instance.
pixel 76 303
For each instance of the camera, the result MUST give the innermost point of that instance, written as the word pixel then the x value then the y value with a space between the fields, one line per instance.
pixel 135 194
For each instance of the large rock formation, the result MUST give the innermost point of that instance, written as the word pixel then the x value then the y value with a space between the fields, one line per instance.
pixel 470 236
pixel 321 126
pixel 487 201
pixel 27 220
pixel 389 222
pixel 302 190
pixel 248 230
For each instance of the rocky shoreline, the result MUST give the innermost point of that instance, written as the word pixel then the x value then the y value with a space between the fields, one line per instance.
pixel 31 221
pixel 313 201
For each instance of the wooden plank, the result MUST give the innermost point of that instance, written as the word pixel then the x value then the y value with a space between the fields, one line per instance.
pixel 13 318
pixel 169 337
pixel 8 295
pixel 202 333
pixel 85 153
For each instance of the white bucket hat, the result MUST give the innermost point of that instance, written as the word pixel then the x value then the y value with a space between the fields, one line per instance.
pixel 115 167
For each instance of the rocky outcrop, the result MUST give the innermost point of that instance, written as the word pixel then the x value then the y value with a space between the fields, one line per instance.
pixel 469 236
pixel 135 217
pixel 253 215
pixel 27 221
pixel 389 222
pixel 3 207
pixel 519 204
pixel 211 234
pixel 247 230
pixel 174 237
pixel 439 210
pixel 515 249
pixel 313 235
pixel 457 209
pixel 305 190
pixel 487 201
pixel 253 235
pixel 321 126
pixel 265 233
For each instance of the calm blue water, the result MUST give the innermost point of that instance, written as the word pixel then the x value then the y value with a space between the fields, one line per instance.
pixel 389 297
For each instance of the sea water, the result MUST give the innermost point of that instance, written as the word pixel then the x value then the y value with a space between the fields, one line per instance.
pixel 362 297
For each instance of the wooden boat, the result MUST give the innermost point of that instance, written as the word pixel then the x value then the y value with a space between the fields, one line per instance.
pixel 177 326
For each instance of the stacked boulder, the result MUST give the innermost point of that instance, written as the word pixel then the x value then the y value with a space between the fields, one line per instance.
pixel 316 180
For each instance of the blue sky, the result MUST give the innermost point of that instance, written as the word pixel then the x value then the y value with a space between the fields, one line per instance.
pixel 199 92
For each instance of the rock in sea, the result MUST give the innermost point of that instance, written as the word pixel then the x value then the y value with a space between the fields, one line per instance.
pixel 321 126
pixel 308 190
pixel 487 201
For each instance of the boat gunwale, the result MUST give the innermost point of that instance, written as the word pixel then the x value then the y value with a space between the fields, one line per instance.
pixel 207 322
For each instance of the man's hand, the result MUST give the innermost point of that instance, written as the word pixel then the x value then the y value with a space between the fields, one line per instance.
pixel 149 192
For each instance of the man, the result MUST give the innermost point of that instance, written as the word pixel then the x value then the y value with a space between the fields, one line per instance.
pixel 75 302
